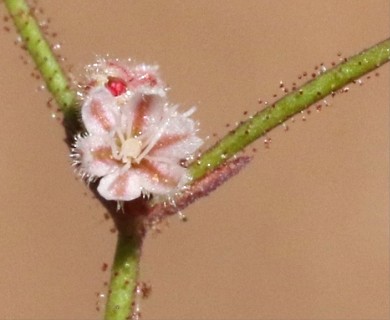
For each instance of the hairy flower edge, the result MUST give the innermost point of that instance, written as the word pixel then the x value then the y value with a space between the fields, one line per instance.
pixel 135 141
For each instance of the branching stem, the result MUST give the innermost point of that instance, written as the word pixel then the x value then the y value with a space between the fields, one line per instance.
pixel 126 261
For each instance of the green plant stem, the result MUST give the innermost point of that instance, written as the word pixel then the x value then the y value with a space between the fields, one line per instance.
pixel 124 275
pixel 40 51
pixel 291 104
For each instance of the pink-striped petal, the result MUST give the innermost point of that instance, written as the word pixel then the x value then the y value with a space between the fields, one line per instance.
pixel 147 80
pixel 178 140
pixel 161 177
pixel 99 111
pixel 146 111
pixel 116 68
pixel 96 155
pixel 120 186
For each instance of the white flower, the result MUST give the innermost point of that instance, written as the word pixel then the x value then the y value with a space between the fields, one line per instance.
pixel 135 140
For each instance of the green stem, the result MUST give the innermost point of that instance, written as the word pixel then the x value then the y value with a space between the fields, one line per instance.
pixel 44 58
pixel 124 275
pixel 291 104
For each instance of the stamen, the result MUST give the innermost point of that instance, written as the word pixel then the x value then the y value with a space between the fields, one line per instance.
pixel 120 136
pixel 154 140
pixel 161 159
pixel 115 152
pixel 189 112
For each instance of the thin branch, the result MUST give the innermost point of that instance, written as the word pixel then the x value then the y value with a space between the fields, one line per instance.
pixel 45 60
pixel 311 92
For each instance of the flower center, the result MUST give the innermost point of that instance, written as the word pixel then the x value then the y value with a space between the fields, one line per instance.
pixel 131 148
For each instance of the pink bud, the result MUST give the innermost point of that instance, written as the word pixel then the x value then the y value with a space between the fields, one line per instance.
pixel 116 86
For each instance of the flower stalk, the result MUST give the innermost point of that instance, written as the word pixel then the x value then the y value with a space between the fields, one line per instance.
pixel 124 275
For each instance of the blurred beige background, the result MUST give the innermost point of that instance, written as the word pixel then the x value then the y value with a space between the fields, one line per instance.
pixel 302 233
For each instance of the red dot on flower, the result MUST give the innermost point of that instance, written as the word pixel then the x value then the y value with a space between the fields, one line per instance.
pixel 116 86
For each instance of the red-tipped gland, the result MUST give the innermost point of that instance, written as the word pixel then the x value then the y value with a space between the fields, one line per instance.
pixel 116 86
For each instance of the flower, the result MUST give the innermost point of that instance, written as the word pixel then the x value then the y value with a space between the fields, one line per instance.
pixel 135 141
